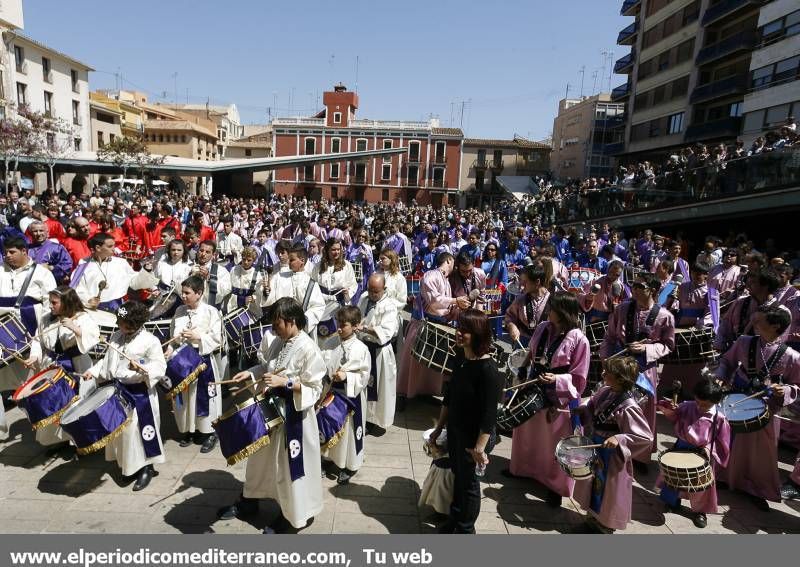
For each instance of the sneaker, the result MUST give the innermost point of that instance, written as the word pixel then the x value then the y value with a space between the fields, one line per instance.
pixel 700 520
pixel 790 490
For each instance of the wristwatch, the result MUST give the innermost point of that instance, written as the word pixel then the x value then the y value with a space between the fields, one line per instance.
pixel 289 384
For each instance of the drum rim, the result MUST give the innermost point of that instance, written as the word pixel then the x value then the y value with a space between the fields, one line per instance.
pixel 101 390
pixel 706 461
pixel 236 408
pixel 60 373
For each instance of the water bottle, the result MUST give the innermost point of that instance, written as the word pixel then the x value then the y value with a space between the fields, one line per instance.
pixel 480 470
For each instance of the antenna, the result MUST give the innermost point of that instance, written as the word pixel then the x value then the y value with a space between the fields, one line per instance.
pixel 356 89
pixel 583 74
pixel 175 84
pixel 566 95
pixel 594 78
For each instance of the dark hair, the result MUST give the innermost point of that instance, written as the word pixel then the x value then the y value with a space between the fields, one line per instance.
pixel 566 307
pixel 442 258
pixel 625 368
pixel 288 309
pixel 348 314
pixel 325 261
pixel 667 266
pixel 99 239
pixel 70 301
pixel 476 323
pixel 534 272
pixel 210 243
pixel 783 269
pixel 299 251
pixel 464 259
pixel 767 278
pixel 282 246
pixel 226 219
pixel 700 267
pixel 195 283
pixel 17 242
pixel 651 281
pixel 134 313
pixel 776 315
pixel 177 241
pixel 708 391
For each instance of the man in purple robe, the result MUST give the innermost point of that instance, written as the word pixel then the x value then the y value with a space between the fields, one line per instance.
pixel 49 254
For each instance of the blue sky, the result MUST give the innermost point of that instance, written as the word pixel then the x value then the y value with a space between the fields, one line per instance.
pixel 508 61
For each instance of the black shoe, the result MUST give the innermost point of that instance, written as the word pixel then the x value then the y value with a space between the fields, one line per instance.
pixel 583 528
pixel 209 443
pixel 144 477
pixel 674 508
pixel 553 499
pixel 790 490
pixel 700 520
pixel 449 527
pixel 760 503
pixel 186 441
pixel 400 404
pixel 280 526
pixel 69 453
pixel 344 476
pixel 243 508
pixel 641 468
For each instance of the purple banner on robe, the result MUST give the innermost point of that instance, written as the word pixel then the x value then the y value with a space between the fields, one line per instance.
pixel 713 304
pixel 138 396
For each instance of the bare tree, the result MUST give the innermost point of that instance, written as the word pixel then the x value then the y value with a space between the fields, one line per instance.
pixel 55 141
pixel 17 139
pixel 127 153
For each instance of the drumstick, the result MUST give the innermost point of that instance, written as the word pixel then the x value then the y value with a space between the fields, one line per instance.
pixel 232 381
pixel 520 385
pixel 138 366
pixel 677 386
pixel 14 353
pixel 595 446
pixel 750 397
pixel 520 344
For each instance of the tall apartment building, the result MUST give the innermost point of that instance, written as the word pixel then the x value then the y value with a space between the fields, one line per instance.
pixel 429 171
pixel 583 131
pixel 687 73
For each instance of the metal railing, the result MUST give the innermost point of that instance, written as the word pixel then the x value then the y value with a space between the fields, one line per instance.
pixel 480 163
pixel 628 6
pixel 741 41
pixel 624 62
pixel 725 128
pixel 620 92
pixel 724 87
pixel 726 8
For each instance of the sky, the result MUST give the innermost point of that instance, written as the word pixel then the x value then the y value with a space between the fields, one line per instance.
pixel 494 68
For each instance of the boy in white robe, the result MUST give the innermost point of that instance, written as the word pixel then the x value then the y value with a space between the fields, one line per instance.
pixel 295 283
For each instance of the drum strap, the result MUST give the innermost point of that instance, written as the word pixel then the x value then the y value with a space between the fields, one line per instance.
pixel 205 389
pixel 294 435
pixel 758 377
pixel 242 294
pixel 743 318
pixel 495 270
pixel 139 397
pixel 64 356
pixel 530 312
pixel 602 420
pixel 372 386
pixel 213 284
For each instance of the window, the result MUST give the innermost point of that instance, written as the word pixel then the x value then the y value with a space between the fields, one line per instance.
pixel 663 61
pixel 659 94
pixel 336 145
pixel 100 141
pixel 111 138
pixel 735 110
pixel 684 51
pixel 334 171
pixel 76 112
pixel 22 93
pixel 676 123
pixel 439 151
pixel 787 26
pixel 311 146
pixel 385 195
pixel 387 145
pixel 361 145
pixel 308 173
pixel 413 175
pixel 680 87
pixel 386 172
pixel 413 151
pixel 438 177
pixel 497 157
pixel 334 193
pixel 46 76
pixel 777 73
pixel 248 153
pixel 337 117
pixel 51 141
pixel 19 58
pixel 361 172
pixel 654 129
pixel 479 180
pixel 77 143
pixel 73 74
pixel 777 115
pixel 48 104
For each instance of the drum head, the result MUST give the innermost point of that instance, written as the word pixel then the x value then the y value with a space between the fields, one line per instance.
pixel 682 459
pixel 89 404
pixel 330 310
pixel 517 359
pixel 36 383
pixel 743 411
pixel 574 457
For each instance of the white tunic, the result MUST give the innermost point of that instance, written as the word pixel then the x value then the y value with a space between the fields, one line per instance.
pixel 352 356
pixel 243 279
pixel 229 245
pixel 382 318
pixel 397 289
pixel 118 276
pixel 286 283
pixel 145 348
pixel 170 274
pixel 223 284
pixel 268 474
pixel 334 281
pixel 50 333
pixel 208 321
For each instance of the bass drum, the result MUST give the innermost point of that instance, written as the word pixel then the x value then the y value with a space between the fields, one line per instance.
pixel 520 408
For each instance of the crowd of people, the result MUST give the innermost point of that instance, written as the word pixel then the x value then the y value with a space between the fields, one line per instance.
pixel 314 313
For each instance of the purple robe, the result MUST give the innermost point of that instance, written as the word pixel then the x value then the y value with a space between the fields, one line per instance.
pixel 534 442
pixel 604 300
pixel 518 315
pixel 692 305
pixel 785 294
pixel 52 254
pixel 724 279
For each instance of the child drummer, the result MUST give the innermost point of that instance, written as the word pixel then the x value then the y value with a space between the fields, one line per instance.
pixel 135 361
pixel 348 363
pixel 617 423
pixel 699 425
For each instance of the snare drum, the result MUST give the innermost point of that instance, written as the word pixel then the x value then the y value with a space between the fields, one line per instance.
pixel 96 420
pixel 520 408
pixel 253 335
pixel 332 415
pixel 577 463
pixel 596 332
pixel 434 347
pixel 160 328
pixel 689 471
pixel 405 264
pixel 747 416
pixel 46 396
pixel 183 368
pixel 413 284
pixel 165 305
pixel 518 359
pixel 247 427
pixel 13 338
pixel 327 323
pixel 234 322
pixel 692 346
pixel 579 278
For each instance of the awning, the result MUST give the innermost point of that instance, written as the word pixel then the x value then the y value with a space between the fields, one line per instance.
pixel 519 186
pixel 158 183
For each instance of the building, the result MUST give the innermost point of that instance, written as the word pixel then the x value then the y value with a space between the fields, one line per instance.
pixel 258 145
pixel 483 161
pixel 106 124
pixel 124 103
pixel 582 132
pixel 774 91
pixel 226 118
pixel 429 171
pixel 687 73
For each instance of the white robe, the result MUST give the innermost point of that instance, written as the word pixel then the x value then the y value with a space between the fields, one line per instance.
pixel 383 318
pixel 352 356
pixel 229 245
pixel 172 275
pixel 268 474
pixel 334 281
pixel 243 279
pixel 397 289
pixel 50 332
pixel 286 283
pixel 223 284
pixel 208 321
pixel 128 448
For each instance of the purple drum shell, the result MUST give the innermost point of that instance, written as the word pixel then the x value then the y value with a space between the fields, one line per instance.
pixel 332 418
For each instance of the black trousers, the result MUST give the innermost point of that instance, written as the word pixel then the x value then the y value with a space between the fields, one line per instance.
pixel 466 503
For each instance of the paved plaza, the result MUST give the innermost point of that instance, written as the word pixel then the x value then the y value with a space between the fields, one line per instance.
pixel 43 494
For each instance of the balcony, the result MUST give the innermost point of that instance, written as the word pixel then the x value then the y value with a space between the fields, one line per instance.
pixel 630 7
pixel 725 128
pixel 727 8
pixel 496 165
pixel 358 179
pixel 439 159
pixel 742 41
pixel 628 35
pixel 621 92
pixel 724 87
pixel 614 149
pixel 47 76
pixel 480 163
pixel 609 122
pixel 298 121
pixel 22 67
pixel 624 65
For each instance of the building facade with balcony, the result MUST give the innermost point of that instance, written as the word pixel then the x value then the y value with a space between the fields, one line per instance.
pixel 428 172
pixel 226 118
pixel 106 124
pixel 583 132
pixel 124 103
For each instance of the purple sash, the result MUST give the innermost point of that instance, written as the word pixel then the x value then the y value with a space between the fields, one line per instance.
pixel 78 274
pixel 242 295
pixel 64 357
pixel 137 395
pixel 372 386
pixel 205 389
pixel 110 306
pixel 294 435
pixel 713 304
pixel 358 431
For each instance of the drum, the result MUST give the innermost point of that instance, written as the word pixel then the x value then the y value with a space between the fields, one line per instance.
pixel 413 284
pixel 520 407
pixel 405 265
pixel 577 463
pixel 579 278
pixel 247 426
pixel 96 420
pixel 689 471
pixel 108 325
pixel 438 450
pixel 434 347
pixel 692 346
pixel 358 270
pixel 183 368
pixel 252 337
pixel 45 396
pixel 596 332
pixel 493 301
pixel 13 338
pixel 234 322
pixel 332 416
pixel 327 323
pixel 160 328
pixel 746 416
pixel 518 359
pixel 165 305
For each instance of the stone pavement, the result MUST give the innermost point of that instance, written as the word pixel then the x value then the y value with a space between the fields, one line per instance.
pixel 41 494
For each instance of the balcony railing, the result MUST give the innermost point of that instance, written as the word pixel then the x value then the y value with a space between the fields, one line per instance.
pixel 630 7
pixel 628 35
pixel 358 180
pixel 610 122
pixel 412 158
pixel 725 128
pixel 727 8
pixel 393 124
pixel 614 149
pixel 496 165
pixel 742 41
pixel 620 92
pixel 298 121
pixel 724 87
pixel 625 64
pixel 480 163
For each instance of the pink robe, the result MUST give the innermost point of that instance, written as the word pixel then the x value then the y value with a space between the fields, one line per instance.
pixel 604 299
pixel 412 377
pixel 661 341
pixel 785 294
pixel 753 464
pixel 534 442
pixel 635 437
pixel 696 428
pixel 723 279
pixel 692 297
pixel 516 313
pixel 458 289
